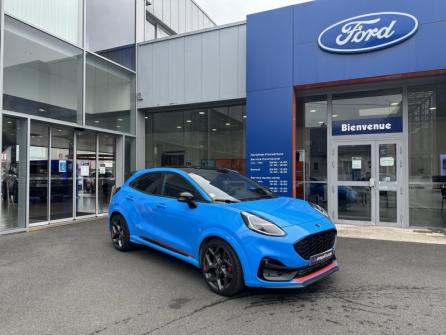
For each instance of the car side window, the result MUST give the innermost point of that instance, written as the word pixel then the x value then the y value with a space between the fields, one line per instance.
pixel 174 185
pixel 149 183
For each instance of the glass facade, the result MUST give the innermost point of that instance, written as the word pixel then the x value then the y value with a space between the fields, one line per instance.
pixel 368 105
pixel 130 157
pixel 42 75
pixel 111 32
pixel 311 145
pixel 39 169
pixel 177 16
pixel 206 137
pixel 44 180
pixel 427 155
pixel 110 96
pixel 60 18
pixel 13 174
pixel 106 170
pixel 61 158
pixel 86 149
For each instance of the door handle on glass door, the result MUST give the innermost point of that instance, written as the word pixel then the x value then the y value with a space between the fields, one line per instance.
pixel 372 182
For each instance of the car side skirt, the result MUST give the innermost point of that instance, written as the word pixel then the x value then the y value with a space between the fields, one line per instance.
pixel 166 249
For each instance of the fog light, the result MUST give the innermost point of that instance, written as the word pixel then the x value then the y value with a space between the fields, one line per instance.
pixel 273 270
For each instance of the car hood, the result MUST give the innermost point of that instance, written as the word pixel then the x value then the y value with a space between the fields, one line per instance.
pixel 284 211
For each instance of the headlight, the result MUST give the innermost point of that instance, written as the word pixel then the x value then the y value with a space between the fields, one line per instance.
pixel 320 210
pixel 261 225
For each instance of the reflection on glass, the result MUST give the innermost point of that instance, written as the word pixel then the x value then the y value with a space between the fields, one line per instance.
pixel 61 173
pixel 38 174
pixel 111 30
pixel 198 138
pixel 388 209
pixel 354 203
pixel 311 137
pixel 130 157
pixel 106 170
pixel 109 96
pixel 387 163
pixel 42 75
pixel 428 205
pixel 13 174
pixel 86 173
pixel 367 105
pixel 316 193
pixel 227 127
pixel 354 162
pixel 427 155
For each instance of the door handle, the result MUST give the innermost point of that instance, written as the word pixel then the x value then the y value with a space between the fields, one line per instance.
pixel 129 198
pixel 372 183
pixel 161 205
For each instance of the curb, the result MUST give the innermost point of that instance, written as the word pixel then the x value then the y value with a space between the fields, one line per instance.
pixel 416 235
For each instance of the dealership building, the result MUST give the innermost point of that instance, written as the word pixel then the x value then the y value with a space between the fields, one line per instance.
pixel 340 102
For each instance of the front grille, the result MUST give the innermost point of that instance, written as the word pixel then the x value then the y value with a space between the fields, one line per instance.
pixel 302 272
pixel 316 244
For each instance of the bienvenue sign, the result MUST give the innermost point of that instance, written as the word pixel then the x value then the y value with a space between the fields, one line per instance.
pixel 367 126
pixel 369 32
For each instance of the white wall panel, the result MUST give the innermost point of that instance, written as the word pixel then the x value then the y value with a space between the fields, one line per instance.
pixel 193 67
pixel 146 68
pixel 211 64
pixel 202 67
pixel 228 63
pixel 241 80
pixel 176 71
pixel 161 70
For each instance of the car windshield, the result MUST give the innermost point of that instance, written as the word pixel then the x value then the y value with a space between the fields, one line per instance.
pixel 229 186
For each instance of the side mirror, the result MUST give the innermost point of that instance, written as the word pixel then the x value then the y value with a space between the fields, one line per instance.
pixel 187 198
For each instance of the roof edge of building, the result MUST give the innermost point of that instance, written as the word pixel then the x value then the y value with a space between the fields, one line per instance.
pixel 196 32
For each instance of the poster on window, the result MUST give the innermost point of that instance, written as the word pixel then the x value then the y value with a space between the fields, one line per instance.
pixel 443 165
pixel 62 166
pixel 356 163
pixel 85 170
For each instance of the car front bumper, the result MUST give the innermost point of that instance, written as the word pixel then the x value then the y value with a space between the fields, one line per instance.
pixel 302 281
pixel 274 263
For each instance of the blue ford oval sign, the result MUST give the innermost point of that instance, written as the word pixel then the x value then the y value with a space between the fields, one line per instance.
pixel 369 32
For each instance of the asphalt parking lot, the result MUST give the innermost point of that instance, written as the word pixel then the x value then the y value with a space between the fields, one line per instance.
pixel 70 280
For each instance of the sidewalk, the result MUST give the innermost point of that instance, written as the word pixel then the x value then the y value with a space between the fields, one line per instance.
pixel 417 235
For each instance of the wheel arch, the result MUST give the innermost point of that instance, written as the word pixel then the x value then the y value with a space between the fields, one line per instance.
pixel 118 212
pixel 233 243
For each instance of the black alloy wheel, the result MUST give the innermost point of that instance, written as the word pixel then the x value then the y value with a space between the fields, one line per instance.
pixel 221 268
pixel 120 233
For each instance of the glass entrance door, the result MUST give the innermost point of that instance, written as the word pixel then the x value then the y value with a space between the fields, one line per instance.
pixel 368 187
pixel 61 167
pixel 389 187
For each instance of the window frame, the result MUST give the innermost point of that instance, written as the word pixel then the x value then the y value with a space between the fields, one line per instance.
pixel 198 197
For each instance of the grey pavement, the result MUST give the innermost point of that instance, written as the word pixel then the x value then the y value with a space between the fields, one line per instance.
pixel 70 280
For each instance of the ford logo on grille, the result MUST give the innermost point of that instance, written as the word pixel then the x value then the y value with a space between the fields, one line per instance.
pixel 369 32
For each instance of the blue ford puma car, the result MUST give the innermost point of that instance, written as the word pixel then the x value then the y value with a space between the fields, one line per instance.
pixel 235 230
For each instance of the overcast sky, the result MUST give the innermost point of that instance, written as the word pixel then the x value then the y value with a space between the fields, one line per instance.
pixel 227 11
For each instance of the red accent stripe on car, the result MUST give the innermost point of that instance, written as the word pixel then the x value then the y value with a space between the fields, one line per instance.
pixel 317 273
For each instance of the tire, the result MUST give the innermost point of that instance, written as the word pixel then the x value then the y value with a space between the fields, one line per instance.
pixel 120 234
pixel 221 268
